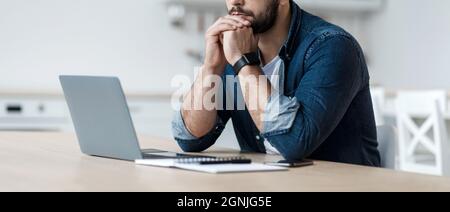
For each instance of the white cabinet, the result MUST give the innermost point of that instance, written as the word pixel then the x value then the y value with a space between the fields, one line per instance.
pixel 152 115
pixel 33 113
pixel 49 112
pixel 342 5
pixel 332 5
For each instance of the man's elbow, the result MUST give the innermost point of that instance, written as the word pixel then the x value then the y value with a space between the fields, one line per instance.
pixel 199 133
pixel 291 148
pixel 293 155
pixel 189 148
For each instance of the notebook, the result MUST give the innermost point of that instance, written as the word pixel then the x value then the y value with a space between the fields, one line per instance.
pixel 213 165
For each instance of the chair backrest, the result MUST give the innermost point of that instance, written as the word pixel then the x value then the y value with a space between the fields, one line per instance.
pixel 422 132
pixel 378 100
pixel 423 103
pixel 387 145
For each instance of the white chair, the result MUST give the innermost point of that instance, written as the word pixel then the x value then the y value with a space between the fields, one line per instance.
pixel 387 145
pixel 378 101
pixel 423 145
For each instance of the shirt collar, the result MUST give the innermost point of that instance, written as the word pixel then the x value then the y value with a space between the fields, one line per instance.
pixel 291 44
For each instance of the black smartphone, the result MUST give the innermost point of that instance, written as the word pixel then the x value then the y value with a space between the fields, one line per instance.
pixel 292 164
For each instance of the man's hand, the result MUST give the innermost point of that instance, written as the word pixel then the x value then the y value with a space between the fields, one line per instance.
pixel 200 122
pixel 235 44
pixel 238 42
pixel 214 55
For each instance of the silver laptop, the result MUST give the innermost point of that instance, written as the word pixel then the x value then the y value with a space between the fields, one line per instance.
pixel 102 119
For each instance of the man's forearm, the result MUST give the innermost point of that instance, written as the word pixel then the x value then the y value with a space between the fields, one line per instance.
pixel 256 89
pixel 200 118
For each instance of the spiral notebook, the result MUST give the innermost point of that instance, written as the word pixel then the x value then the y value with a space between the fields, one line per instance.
pixel 212 165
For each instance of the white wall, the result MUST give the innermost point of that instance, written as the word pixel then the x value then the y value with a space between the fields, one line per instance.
pixel 132 39
pixel 407 43
pixel 410 44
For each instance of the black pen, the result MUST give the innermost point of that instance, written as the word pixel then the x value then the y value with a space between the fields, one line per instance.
pixel 237 161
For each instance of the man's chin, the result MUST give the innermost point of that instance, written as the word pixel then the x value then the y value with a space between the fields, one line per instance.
pixel 260 31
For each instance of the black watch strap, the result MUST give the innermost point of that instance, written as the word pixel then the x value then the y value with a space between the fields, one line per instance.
pixel 247 59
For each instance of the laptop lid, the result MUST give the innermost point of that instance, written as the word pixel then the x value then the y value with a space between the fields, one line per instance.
pixel 101 117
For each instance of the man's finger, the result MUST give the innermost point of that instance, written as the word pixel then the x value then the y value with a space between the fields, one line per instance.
pixel 230 21
pixel 247 21
pixel 217 30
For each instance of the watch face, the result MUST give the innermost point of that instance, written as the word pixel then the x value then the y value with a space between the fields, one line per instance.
pixel 247 59
pixel 253 58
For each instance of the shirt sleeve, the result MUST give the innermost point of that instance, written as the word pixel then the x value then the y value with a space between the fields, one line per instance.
pixel 333 77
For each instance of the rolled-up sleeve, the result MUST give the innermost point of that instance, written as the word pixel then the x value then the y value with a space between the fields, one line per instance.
pixel 179 129
pixel 279 114
pixel 190 143
pixel 333 76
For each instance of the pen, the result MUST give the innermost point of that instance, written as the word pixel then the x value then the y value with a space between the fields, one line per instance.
pixel 239 161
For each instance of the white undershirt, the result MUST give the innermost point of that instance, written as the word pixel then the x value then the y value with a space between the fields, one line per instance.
pixel 272 72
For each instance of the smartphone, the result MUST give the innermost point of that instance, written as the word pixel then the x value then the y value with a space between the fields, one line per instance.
pixel 292 164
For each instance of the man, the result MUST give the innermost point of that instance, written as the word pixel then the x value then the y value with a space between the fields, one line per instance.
pixel 316 101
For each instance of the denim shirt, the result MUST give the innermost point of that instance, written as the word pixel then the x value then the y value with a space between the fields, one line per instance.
pixel 323 108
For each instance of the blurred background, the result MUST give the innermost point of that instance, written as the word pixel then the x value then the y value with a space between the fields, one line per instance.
pixel 147 42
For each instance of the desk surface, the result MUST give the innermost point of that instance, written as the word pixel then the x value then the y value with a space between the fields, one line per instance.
pixel 53 162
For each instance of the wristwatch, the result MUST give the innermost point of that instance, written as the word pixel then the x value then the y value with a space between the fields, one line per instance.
pixel 248 59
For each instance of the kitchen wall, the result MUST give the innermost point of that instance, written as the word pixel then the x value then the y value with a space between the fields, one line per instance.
pixel 132 39
pixel 409 42
pixel 406 43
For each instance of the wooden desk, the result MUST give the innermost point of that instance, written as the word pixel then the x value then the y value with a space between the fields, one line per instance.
pixel 53 162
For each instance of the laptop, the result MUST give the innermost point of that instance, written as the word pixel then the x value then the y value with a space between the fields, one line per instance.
pixel 102 119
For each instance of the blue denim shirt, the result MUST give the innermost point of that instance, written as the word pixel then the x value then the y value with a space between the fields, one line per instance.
pixel 324 109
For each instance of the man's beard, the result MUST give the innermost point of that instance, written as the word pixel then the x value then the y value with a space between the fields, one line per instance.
pixel 261 24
